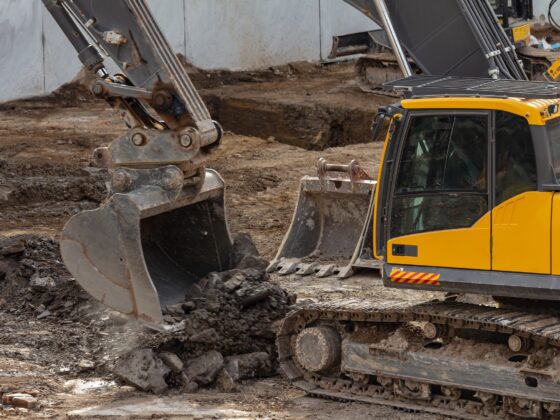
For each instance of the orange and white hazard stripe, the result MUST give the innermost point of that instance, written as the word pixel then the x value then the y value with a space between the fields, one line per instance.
pixel 411 277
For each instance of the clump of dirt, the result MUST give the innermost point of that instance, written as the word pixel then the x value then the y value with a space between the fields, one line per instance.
pixel 227 331
pixel 34 280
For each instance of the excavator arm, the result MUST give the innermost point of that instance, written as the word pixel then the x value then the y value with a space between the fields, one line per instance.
pixel 162 226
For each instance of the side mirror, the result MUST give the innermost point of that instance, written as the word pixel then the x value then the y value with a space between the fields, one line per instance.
pixel 378 122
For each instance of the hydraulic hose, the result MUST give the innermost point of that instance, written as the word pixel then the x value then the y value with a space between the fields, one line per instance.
pixel 551 19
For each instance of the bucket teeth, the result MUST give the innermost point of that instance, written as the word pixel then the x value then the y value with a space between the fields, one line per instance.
pixel 327 271
pixel 273 267
pixel 307 269
pixel 346 272
pixel 302 269
pixel 288 268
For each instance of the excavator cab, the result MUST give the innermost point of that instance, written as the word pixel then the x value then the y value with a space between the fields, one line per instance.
pixel 468 193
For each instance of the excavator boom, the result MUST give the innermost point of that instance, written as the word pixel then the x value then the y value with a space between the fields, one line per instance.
pixel 162 226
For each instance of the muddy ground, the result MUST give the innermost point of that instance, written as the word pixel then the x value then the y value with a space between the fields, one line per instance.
pixel 56 343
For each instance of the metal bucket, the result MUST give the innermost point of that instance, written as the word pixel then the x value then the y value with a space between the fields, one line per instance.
pixel 331 232
pixel 148 248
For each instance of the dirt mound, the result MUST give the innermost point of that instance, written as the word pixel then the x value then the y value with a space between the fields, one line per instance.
pixel 223 334
pixel 34 280
pixel 226 333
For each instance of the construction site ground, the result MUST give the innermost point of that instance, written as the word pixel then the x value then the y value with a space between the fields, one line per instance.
pixel 282 119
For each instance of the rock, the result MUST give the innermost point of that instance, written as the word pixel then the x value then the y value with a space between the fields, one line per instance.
pixel 188 386
pixel 252 295
pixel 25 401
pixel 250 365
pixel 174 310
pixel 42 283
pixel 208 336
pixel 212 281
pixel 253 262
pixel 204 369
pixel 235 282
pixel 243 246
pixel 142 369
pixel 86 365
pixel 5 194
pixel 188 307
pixel 224 381
pixel 44 314
pixel 172 361
pixel 232 367
pixel 12 245
pixel 19 400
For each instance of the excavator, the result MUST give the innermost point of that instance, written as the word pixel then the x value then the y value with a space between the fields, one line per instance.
pixel 497 29
pixel 466 202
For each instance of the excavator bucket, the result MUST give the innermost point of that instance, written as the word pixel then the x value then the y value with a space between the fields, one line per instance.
pixel 331 231
pixel 141 251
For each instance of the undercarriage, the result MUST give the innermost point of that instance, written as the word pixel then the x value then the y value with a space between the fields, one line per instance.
pixel 447 358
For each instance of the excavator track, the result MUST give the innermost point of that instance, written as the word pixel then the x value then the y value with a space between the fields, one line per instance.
pixel 447 358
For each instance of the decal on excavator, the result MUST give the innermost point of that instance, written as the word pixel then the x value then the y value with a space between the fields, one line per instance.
pixel 401 276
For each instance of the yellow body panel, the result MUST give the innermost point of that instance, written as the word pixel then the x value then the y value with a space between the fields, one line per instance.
pixel 521 234
pixel 554 70
pixel 534 110
pixel 555 235
pixel 457 248
pixel 521 32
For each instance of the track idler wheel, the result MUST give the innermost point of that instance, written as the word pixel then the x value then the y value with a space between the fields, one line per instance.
pixel 317 349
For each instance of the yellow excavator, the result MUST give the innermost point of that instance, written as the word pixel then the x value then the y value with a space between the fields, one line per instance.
pixel 466 202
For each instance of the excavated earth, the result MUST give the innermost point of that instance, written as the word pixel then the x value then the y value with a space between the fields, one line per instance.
pixel 78 359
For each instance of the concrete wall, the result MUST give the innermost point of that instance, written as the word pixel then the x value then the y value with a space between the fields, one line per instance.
pixel 21 49
pixel 212 34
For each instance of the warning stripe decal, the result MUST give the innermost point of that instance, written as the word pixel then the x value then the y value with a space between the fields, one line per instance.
pixel 411 277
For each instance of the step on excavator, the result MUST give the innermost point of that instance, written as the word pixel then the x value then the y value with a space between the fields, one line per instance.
pixel 466 202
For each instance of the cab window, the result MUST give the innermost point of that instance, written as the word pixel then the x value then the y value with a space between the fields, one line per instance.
pixel 442 176
pixel 516 167
pixel 553 131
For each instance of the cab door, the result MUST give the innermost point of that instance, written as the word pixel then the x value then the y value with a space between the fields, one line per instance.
pixel 439 212
pixel 522 215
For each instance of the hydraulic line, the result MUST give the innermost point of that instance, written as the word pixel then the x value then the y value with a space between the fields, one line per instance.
pixel 508 48
pixel 485 45
pixel 551 19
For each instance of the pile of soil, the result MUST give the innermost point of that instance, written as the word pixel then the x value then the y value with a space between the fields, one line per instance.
pixel 34 280
pixel 226 333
